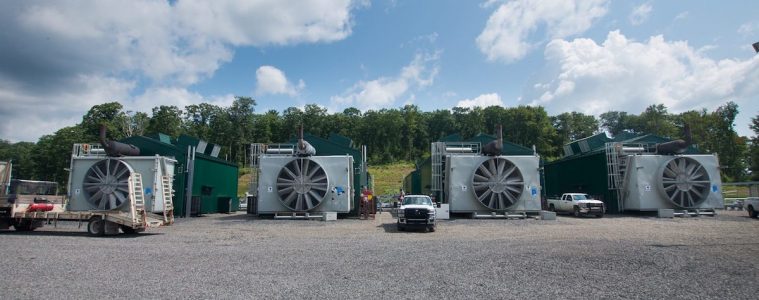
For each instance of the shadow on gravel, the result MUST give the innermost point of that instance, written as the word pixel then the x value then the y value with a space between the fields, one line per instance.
pixel 393 228
pixel 76 234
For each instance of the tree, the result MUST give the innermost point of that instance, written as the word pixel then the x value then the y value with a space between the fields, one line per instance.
pixel 198 118
pixel 656 120
pixel 20 154
pixel 731 148
pixel 469 121
pixel 573 126
pixel 107 114
pixel 132 123
pixel 440 123
pixel 166 119
pixel 754 152
pixel 616 122
pixel 53 154
pixel 528 126
pixel 268 126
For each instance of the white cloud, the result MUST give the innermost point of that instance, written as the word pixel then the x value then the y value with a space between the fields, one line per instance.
pixel 510 32
pixel 484 100
pixel 384 91
pixel 625 75
pixel 749 29
pixel 161 47
pixel 270 80
pixel 32 113
pixel 640 14
pixel 682 16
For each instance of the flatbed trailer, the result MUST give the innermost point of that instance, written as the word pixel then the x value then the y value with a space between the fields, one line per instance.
pixel 31 208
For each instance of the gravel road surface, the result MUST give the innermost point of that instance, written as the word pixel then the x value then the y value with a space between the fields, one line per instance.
pixel 237 256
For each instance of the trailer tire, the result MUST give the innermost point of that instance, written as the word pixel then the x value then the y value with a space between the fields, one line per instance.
pixel 96 226
pixel 130 230
pixel 24 226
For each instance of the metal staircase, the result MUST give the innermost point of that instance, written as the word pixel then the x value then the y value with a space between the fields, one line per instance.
pixel 168 200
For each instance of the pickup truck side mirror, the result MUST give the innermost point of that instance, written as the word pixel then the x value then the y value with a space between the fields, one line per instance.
pixel 437 204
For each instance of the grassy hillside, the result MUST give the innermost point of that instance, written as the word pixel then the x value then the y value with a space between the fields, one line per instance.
pixel 388 179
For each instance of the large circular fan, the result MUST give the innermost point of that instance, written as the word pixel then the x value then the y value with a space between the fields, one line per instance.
pixel 684 182
pixel 302 184
pixel 497 183
pixel 106 184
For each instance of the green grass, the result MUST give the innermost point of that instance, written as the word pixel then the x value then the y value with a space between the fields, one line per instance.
pixel 243 180
pixel 388 179
pixel 735 191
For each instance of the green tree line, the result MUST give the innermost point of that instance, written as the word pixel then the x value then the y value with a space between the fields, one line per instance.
pixel 398 134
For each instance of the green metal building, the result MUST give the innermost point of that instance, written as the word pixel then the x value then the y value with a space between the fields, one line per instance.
pixel 584 167
pixel 419 181
pixel 212 181
pixel 340 145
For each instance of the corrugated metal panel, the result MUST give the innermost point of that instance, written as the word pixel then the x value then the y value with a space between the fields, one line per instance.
pixel 581 173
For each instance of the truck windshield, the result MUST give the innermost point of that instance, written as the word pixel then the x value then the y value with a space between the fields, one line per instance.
pixel 417 200
pixel 580 197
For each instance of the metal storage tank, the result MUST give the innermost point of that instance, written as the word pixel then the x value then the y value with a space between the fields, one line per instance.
pixel 203 183
pixel 628 173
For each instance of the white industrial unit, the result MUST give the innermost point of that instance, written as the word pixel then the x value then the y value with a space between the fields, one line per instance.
pixel 313 184
pixel 99 182
pixel 683 182
pixel 483 184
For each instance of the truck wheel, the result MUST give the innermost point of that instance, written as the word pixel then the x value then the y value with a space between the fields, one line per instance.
pixel 432 229
pixel 577 212
pixel 25 225
pixel 601 215
pixel 130 230
pixel 401 228
pixel 551 208
pixel 96 226
pixel 751 212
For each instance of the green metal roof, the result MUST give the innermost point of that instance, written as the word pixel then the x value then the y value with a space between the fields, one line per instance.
pixel 597 142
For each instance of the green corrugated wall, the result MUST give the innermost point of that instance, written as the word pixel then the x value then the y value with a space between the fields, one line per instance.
pixel 580 174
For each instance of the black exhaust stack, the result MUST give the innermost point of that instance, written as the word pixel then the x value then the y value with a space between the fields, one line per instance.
pixel 677 146
pixel 494 148
pixel 304 148
pixel 116 149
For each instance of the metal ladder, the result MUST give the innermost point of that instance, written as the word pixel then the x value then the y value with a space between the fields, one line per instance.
pixel 616 167
pixel 437 153
pixel 138 197
pixel 168 201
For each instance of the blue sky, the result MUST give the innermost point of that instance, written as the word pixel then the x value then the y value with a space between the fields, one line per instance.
pixel 592 56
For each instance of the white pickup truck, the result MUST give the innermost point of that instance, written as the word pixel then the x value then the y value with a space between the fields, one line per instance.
pixel 577 204
pixel 416 211
pixel 752 206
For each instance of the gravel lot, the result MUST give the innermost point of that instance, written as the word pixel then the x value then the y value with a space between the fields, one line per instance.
pixel 236 256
